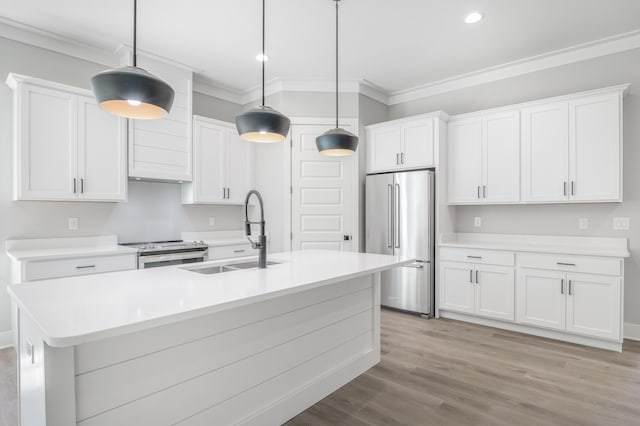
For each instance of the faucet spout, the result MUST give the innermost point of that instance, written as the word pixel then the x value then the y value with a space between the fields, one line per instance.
pixel 261 244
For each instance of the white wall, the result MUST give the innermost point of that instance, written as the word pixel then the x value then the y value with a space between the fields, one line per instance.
pixel 560 219
pixel 154 210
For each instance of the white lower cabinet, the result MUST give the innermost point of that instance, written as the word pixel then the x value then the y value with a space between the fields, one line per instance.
pixel 540 298
pixel 486 290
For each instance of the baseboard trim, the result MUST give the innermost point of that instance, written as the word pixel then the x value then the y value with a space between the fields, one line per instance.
pixel 6 339
pixel 632 331
pixel 535 331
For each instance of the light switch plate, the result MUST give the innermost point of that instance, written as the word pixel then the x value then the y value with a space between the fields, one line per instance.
pixel 73 223
pixel 212 221
pixel 583 223
pixel 621 223
pixel 477 221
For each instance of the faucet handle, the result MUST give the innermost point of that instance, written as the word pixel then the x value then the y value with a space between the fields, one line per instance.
pixel 247 228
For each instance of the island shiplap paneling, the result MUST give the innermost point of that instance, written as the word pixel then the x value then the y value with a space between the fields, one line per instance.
pixel 242 365
pixel 110 387
pixel 100 354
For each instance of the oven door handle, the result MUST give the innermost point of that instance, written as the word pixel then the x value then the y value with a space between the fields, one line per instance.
pixel 173 256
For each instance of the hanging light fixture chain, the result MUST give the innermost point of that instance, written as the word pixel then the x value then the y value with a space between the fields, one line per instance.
pixel 337 63
pixel 263 52
pixel 135 32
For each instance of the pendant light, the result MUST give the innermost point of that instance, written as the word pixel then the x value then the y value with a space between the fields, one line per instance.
pixel 263 123
pixel 337 142
pixel 131 91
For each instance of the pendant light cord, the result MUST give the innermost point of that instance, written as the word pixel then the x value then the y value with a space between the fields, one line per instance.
pixel 337 63
pixel 135 32
pixel 264 57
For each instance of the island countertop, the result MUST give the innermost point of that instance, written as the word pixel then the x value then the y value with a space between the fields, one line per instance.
pixel 75 310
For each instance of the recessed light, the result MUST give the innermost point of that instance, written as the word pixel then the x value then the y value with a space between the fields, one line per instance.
pixel 473 18
pixel 260 57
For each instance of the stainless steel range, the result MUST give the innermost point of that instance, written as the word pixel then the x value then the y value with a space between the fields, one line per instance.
pixel 166 253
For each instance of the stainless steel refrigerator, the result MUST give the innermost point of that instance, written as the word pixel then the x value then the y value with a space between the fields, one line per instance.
pixel 400 221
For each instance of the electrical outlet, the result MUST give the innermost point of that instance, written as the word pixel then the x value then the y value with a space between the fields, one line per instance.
pixel 621 223
pixel 73 223
pixel 212 221
pixel 477 221
pixel 583 223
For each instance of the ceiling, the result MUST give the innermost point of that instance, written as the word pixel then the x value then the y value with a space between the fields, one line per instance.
pixel 394 44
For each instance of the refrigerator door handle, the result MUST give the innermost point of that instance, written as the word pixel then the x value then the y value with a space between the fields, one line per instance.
pixel 396 236
pixel 389 215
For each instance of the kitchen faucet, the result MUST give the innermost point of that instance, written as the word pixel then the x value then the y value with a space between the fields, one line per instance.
pixel 262 239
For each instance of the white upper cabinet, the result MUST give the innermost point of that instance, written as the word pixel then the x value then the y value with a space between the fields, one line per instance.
pixel 66 148
pixel 484 159
pixel 465 161
pixel 595 160
pixel 399 145
pixel 161 149
pixel 223 167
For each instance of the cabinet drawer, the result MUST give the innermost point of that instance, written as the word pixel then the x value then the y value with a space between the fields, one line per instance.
pixel 487 257
pixel 236 250
pixel 45 269
pixel 559 262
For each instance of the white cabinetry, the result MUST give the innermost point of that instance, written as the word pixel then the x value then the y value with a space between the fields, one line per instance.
pixel 402 144
pixel 161 149
pixel 484 159
pixel 223 164
pixel 65 147
pixel 541 300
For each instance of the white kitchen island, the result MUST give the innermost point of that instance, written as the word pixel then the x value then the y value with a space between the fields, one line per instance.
pixel 172 346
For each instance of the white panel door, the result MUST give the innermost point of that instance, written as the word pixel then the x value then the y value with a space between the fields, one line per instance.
pixel 495 291
pixel 545 152
pixel 418 144
pixel 501 157
pixel 457 291
pixel 47 144
pixel 240 167
pixel 321 199
pixel 593 305
pixel 210 164
pixel 385 146
pixel 594 160
pixel 102 167
pixel 540 298
pixel 465 161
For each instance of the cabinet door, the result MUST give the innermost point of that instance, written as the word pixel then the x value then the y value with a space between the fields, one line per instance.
pixel 384 148
pixel 101 153
pixel 593 305
pixel 46 144
pixel 501 157
pixel 210 164
pixel 417 144
pixel 240 159
pixel 457 291
pixel 540 298
pixel 465 161
pixel 545 152
pixel 495 289
pixel 594 160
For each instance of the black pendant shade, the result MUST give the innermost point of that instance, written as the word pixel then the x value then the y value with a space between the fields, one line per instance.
pixel 263 124
pixel 337 142
pixel 132 92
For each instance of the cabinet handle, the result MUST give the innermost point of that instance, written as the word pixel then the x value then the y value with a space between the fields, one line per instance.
pixel 477 276
pixel 562 286
pixel 471 276
pixel 478 191
pixel 484 191
pixel 573 192
pixel 82 186
pixel 402 158
pixel 564 188
pixel 228 192
pixel 397 159
pixel 239 251
pixel 565 264
pixel 85 267
pixel 474 257
pixel 74 185
pixel 569 287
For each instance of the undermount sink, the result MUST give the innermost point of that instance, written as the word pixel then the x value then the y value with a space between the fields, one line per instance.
pixel 210 270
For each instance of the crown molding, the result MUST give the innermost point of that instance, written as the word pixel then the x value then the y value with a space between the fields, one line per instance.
pixel 211 88
pixel 582 52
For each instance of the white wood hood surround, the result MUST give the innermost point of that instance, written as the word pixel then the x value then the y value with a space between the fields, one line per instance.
pixel 122 302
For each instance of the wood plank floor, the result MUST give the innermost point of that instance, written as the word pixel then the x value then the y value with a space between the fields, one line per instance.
pixel 443 372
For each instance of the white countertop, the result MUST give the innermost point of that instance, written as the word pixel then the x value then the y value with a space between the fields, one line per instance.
pixel 583 246
pixel 57 248
pixel 76 310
